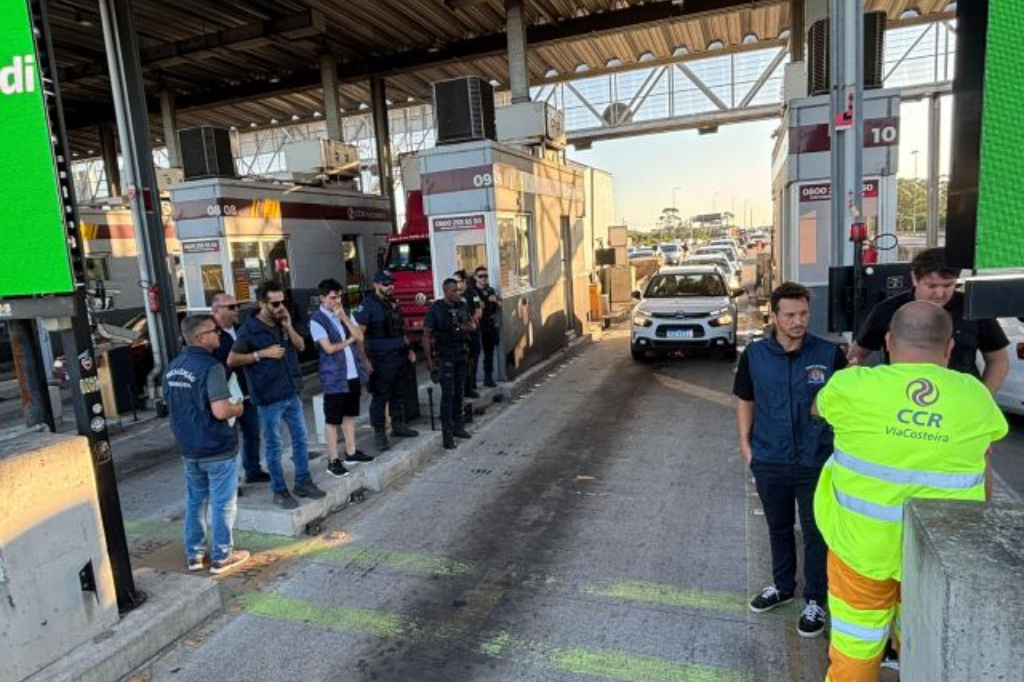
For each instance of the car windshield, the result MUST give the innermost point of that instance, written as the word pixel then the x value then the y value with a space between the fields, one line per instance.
pixel 642 254
pixel 725 251
pixel 410 256
pixel 688 284
pixel 669 248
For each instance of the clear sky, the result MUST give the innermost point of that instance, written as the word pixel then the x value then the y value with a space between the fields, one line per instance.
pixel 726 171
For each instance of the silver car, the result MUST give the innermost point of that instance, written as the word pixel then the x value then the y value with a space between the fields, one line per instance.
pixel 684 307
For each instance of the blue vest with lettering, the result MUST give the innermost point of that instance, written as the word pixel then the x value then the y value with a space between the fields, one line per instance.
pixel 333 366
pixel 785 386
pixel 271 381
pixel 200 435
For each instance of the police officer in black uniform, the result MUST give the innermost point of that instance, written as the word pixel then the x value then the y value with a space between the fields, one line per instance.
pixel 471 297
pixel 490 323
pixel 390 357
pixel 446 329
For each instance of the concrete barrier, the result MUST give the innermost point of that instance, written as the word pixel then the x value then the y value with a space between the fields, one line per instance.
pixel 963 570
pixel 50 535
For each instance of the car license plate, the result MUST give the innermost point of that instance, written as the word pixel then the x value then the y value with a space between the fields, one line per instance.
pixel 680 333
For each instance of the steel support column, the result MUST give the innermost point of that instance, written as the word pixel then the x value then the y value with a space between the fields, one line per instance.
pixel 797 30
pixel 332 103
pixel 169 118
pixel 847 70
pixel 108 152
pixel 129 96
pixel 382 134
pixel 934 169
pixel 518 71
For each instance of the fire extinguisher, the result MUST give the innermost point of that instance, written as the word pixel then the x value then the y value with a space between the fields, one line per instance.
pixel 153 297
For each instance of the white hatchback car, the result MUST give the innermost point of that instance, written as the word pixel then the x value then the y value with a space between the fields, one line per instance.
pixel 1011 394
pixel 684 307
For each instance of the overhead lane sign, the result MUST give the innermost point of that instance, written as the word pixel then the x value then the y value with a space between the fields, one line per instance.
pixel 34 256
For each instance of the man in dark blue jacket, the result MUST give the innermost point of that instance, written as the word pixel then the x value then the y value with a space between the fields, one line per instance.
pixel 225 313
pixel 268 348
pixel 785 447
pixel 196 390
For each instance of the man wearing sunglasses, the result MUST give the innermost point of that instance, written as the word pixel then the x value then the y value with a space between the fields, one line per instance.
pixel 490 323
pixel 268 348
pixel 225 313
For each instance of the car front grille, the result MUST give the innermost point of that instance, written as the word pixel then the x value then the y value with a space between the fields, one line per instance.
pixel 681 316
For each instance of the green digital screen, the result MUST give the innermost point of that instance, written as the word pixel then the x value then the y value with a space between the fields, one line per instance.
pixel 33 250
pixel 1000 231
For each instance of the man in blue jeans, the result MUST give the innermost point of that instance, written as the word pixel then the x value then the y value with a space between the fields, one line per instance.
pixel 196 390
pixel 268 348
pixel 225 313
pixel 785 447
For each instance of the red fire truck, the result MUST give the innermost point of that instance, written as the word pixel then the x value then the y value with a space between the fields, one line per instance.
pixel 408 259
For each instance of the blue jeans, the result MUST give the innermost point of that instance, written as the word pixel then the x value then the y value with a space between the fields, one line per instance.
pixel 214 482
pixel 783 488
pixel 290 411
pixel 250 423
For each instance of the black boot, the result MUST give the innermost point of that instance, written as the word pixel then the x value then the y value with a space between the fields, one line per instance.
pixel 400 430
pixel 471 393
pixel 380 439
pixel 448 440
pixel 461 432
pixel 489 381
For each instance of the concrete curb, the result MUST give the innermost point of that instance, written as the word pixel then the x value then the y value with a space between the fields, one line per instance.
pixel 175 605
pixel 402 460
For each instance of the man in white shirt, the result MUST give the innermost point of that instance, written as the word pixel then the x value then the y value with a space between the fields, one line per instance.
pixel 334 334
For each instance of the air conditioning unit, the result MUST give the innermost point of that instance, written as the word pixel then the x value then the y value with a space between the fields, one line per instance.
pixel 464 110
pixel 206 153
pixel 531 123
pixel 322 157
pixel 818 75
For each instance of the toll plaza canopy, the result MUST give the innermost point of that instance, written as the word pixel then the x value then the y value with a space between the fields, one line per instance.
pixel 236 62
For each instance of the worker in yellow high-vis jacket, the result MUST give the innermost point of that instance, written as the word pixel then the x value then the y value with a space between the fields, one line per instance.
pixel 909 429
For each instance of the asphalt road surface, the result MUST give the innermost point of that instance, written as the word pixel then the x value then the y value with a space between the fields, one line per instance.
pixel 603 527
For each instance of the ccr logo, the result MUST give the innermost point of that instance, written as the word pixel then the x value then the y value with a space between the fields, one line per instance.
pixel 19 77
pixel 922 393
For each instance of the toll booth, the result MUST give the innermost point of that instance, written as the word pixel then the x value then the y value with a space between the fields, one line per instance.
pixel 112 261
pixel 237 234
pixel 802 248
pixel 521 212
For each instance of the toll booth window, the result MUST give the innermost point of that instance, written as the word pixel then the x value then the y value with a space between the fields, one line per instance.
pixel 252 263
pixel 97 268
pixel 410 256
pixel 515 254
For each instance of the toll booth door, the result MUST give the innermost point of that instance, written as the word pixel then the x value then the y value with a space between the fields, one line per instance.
pixel 567 251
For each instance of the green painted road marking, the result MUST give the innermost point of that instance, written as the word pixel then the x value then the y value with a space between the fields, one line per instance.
pixel 618 665
pixel 328 617
pixel 669 595
pixel 607 664
pixel 420 564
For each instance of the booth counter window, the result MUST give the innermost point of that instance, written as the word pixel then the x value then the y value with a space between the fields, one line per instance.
pixel 252 263
pixel 516 266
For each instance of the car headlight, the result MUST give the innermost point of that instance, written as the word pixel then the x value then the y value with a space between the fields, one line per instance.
pixel 721 320
pixel 642 318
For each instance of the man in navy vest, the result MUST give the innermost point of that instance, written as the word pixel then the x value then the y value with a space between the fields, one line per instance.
pixel 225 313
pixel 268 349
pixel 785 447
pixel 196 389
pixel 335 333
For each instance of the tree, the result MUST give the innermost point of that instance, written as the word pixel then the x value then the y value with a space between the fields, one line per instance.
pixel 912 205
